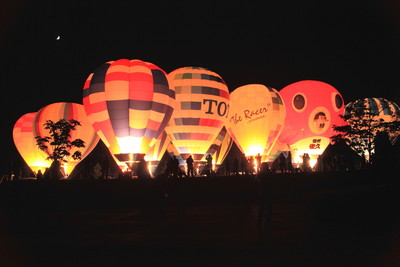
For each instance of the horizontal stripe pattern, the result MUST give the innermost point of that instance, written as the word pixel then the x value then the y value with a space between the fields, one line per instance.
pixel 205 90
pixel 195 121
pixel 192 136
pixel 129 98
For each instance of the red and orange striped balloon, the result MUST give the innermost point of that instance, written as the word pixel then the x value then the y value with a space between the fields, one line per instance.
pixel 129 103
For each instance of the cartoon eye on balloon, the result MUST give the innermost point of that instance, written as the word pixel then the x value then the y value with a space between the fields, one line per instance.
pixel 129 103
pixel 202 102
pixel 256 118
pixel 312 108
pixel 31 125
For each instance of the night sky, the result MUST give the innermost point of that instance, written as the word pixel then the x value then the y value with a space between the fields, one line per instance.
pixel 353 46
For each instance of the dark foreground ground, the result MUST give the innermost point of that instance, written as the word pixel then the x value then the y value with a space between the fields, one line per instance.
pixel 342 219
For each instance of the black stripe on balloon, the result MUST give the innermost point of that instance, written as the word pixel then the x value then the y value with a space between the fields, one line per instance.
pixel 373 106
pixel 396 110
pixel 385 107
pixel 147 105
pixel 119 117
pixel 187 121
pixel 161 83
pixel 98 79
pixel 162 141
pixel 167 117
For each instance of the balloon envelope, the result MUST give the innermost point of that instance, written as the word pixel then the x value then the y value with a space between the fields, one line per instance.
pixel 256 118
pixel 202 102
pixel 312 109
pixel 129 103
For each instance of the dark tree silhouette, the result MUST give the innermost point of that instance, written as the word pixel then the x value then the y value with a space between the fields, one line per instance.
pixel 60 140
pixel 363 125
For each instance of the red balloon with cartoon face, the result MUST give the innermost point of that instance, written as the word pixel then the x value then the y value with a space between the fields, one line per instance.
pixel 312 108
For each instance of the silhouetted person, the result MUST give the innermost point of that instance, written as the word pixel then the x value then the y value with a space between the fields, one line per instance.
pixel 306 162
pixel 251 165
pixel 243 164
pixel 282 163
pixel 189 163
pixel 15 171
pixel 39 175
pixel 258 162
pixel 142 170
pixel 175 167
pixel 227 168
pixel 236 166
pixel 105 167
pixel 265 200
pixel 289 162
pixel 209 164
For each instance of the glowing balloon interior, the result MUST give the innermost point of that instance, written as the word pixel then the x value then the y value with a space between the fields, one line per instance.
pixel 256 118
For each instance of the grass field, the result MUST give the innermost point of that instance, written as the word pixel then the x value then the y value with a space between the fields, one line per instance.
pixel 330 219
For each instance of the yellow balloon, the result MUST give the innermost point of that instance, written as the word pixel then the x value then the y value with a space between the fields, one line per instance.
pixel 256 118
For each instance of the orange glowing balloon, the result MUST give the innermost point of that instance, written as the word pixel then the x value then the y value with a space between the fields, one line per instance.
pixel 67 111
pixel 25 142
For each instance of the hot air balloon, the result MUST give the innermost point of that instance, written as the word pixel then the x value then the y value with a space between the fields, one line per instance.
pixel 129 103
pixel 380 108
pixel 202 102
pixel 256 118
pixel 25 142
pixel 377 110
pixel 312 108
pixel 67 111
